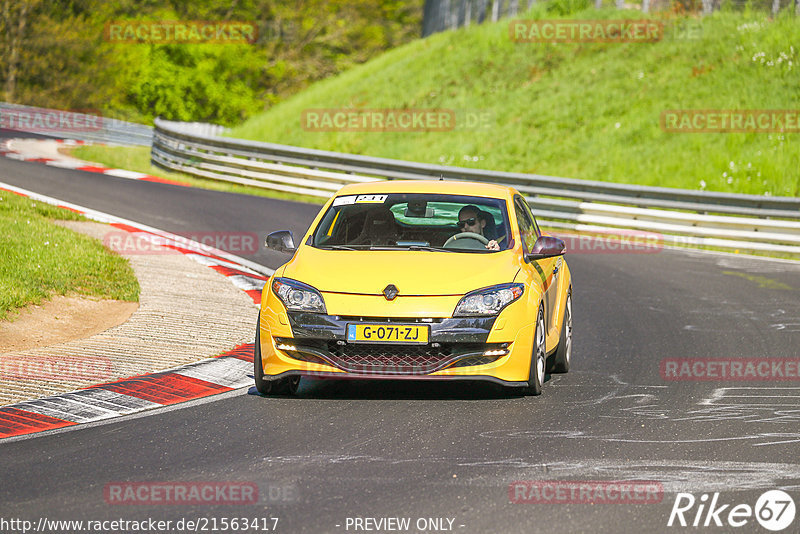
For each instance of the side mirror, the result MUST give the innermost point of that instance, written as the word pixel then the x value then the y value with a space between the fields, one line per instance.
pixel 546 247
pixel 281 241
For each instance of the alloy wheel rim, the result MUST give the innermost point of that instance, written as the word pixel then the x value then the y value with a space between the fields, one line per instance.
pixel 569 329
pixel 540 350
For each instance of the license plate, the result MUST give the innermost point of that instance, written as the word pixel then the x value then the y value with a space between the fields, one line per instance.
pixel 391 333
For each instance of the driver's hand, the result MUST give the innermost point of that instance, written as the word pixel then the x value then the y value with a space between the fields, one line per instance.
pixel 492 245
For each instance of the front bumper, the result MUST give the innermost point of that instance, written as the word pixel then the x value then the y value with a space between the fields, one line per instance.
pixel 457 348
pixel 356 376
pixel 454 342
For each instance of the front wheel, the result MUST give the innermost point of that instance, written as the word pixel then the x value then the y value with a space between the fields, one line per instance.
pixel 282 386
pixel 538 358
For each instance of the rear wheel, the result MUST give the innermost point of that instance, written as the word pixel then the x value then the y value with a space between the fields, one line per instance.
pixel 538 358
pixel 564 351
pixel 282 386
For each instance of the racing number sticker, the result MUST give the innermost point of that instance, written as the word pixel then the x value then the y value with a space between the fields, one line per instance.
pixel 371 199
pixel 344 201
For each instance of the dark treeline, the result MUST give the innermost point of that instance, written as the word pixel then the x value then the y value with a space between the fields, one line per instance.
pixel 55 53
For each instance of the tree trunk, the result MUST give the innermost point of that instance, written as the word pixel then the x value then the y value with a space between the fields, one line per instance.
pixel 483 10
pixel 496 10
pixel 14 35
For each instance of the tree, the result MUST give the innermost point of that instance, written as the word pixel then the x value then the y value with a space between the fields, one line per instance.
pixel 13 23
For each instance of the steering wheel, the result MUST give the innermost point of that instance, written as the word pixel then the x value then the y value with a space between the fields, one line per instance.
pixel 466 235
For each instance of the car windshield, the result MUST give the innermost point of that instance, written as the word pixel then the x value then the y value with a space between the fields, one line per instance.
pixel 414 221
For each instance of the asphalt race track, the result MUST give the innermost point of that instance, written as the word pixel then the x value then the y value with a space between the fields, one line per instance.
pixel 352 449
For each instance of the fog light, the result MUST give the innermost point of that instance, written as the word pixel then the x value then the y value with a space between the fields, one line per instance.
pixel 496 352
pixel 284 346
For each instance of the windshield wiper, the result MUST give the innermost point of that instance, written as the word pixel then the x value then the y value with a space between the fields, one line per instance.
pixel 336 247
pixel 430 248
pixel 410 247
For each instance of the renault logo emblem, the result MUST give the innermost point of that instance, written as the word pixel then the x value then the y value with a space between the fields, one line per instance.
pixel 390 292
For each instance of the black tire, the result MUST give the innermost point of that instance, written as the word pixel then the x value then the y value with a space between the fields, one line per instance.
pixel 538 358
pixel 282 386
pixel 561 358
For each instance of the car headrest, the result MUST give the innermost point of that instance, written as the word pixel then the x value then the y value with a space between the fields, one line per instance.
pixel 490 230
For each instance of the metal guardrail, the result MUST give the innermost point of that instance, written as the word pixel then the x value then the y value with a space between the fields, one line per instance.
pixel 73 125
pixel 679 216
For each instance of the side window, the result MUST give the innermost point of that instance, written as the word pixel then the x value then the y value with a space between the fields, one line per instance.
pixel 527 229
pixel 530 215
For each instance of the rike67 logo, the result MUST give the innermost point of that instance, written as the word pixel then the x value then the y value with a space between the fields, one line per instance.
pixel 774 510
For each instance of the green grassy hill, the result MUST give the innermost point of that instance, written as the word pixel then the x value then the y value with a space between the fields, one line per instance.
pixel 586 111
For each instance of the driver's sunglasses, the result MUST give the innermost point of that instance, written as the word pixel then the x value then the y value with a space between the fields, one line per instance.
pixel 467 222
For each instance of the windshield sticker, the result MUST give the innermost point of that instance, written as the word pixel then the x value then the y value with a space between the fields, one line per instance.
pixel 371 199
pixel 343 201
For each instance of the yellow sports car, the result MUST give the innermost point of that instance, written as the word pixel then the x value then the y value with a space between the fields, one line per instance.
pixel 430 280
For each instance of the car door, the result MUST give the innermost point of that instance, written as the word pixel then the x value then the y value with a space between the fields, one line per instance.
pixel 544 270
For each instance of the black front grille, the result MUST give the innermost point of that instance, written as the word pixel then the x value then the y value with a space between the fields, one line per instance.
pixel 475 360
pixel 389 359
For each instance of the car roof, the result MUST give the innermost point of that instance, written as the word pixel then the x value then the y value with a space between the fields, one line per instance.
pixel 429 186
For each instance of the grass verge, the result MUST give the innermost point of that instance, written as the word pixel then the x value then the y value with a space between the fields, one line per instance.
pixel 40 258
pixel 579 110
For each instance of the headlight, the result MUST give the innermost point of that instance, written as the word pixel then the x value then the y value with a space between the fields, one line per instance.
pixel 488 301
pixel 297 296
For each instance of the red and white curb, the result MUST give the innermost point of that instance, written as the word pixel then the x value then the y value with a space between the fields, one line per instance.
pixel 224 373
pixel 209 377
pixel 10 151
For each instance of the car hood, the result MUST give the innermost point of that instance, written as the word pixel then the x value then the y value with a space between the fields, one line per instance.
pixel 412 272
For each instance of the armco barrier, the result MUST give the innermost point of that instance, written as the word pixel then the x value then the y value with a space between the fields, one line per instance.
pixel 682 217
pixel 62 124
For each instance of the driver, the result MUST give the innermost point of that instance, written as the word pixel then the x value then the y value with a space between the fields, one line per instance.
pixel 469 220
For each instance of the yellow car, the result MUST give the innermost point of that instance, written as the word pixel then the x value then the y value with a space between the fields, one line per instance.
pixel 435 280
